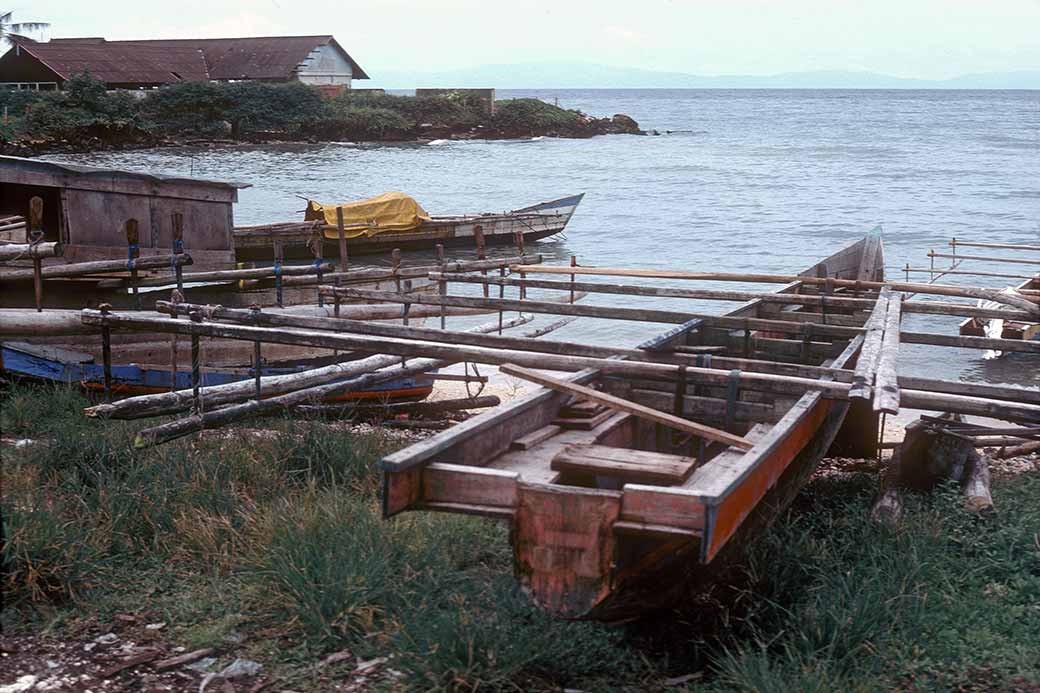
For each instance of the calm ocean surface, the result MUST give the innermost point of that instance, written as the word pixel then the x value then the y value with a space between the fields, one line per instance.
pixel 765 181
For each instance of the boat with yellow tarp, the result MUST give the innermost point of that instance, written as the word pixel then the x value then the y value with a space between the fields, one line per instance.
pixel 395 220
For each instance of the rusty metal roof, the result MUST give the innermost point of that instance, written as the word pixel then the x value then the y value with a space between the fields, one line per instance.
pixel 115 63
pixel 261 57
pixel 14 169
pixel 162 61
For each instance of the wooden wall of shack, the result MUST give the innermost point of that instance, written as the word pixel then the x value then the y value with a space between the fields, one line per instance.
pixel 87 208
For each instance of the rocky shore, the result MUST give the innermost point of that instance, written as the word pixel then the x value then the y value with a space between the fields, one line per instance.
pixel 86 117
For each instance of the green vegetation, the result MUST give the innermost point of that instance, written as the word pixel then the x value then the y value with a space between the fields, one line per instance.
pixel 84 114
pixel 279 537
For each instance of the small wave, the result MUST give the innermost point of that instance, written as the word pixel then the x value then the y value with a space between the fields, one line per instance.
pixel 539 137
pixel 437 143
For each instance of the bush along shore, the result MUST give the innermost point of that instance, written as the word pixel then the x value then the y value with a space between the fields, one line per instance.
pixel 262 554
pixel 84 116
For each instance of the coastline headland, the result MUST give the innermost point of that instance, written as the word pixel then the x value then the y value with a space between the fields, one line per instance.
pixel 87 117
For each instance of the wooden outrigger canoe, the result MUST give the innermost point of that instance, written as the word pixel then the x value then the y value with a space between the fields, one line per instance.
pixel 612 516
pixel 297 238
pixel 1004 329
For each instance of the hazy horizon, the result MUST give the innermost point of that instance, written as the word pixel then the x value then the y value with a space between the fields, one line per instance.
pixel 904 39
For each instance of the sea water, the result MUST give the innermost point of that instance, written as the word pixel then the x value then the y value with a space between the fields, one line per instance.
pixel 737 180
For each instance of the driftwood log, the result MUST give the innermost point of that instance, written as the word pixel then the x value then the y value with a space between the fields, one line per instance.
pixel 928 455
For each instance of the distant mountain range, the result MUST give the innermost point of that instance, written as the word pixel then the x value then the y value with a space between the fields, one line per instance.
pixel 591 76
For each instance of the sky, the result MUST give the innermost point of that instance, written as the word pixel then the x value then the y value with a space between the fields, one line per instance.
pixel 929 39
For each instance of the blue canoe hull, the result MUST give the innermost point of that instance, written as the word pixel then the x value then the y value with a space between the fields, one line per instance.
pixel 52 365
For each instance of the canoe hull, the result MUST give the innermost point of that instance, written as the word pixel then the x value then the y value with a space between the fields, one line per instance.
pixel 536 222
pixel 593 544
pixel 1008 329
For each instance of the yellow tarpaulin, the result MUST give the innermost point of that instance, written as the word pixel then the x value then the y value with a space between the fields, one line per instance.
pixel 392 211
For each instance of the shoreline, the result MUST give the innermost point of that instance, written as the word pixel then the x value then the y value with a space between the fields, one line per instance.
pixel 36 149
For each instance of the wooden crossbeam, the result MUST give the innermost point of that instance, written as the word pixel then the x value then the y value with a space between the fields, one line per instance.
pixel 628 407
pixel 870 353
pixel 886 385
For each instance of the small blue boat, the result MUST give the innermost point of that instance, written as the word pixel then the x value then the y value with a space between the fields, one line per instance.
pixel 43 363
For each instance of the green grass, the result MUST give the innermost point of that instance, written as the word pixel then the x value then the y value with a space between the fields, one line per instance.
pixel 280 539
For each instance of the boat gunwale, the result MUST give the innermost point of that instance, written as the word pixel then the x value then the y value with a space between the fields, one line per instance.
pixel 400 461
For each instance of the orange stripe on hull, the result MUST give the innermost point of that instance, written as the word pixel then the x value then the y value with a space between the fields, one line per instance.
pixel 730 513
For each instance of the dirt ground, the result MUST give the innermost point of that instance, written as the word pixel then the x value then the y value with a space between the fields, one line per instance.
pixel 130 654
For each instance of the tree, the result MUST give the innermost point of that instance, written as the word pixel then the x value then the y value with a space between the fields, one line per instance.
pixel 8 27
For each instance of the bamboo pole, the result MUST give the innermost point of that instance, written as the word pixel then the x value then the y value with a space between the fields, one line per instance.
pixel 82 269
pixel 164 403
pixel 439 406
pixel 26 322
pixel 403 347
pixel 678 318
pixel 619 404
pixel 975 273
pixel 924 307
pixel 236 412
pixel 577 349
pixel 932 289
pixel 1006 246
pixel 421 271
pixel 18 251
pixel 1023 449
pixel 1012 411
pixel 410 347
pixel 222 275
pixel 1015 260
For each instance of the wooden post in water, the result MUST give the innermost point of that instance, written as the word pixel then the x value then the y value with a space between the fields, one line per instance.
pixel 175 297
pixel 257 359
pixel 319 253
pixel 520 248
pixel 478 236
pixel 33 235
pixel 106 353
pixel 177 224
pixel 133 251
pixel 278 273
pixel 404 312
pixel 196 367
pixel 344 261
pixel 442 285
pixel 574 263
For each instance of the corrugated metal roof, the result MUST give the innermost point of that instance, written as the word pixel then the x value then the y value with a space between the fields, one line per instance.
pixel 173 60
pixel 12 167
pixel 117 63
pixel 260 57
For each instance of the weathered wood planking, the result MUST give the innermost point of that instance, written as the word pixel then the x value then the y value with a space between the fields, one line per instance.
pixel 620 404
pixel 630 465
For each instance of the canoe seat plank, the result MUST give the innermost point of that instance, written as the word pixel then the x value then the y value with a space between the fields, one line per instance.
pixel 585 423
pixel 528 441
pixel 622 463
pixel 581 409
